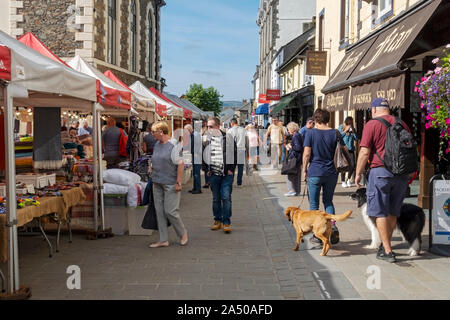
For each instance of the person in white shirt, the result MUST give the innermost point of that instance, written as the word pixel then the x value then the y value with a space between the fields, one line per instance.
pixel 238 133
pixel 277 138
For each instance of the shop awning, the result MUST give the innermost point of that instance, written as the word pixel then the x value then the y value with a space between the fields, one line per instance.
pixel 162 107
pixel 262 109
pixel 381 54
pixel 284 102
pixel 391 88
pixel 196 113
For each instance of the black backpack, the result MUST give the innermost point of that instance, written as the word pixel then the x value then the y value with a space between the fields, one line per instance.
pixel 400 149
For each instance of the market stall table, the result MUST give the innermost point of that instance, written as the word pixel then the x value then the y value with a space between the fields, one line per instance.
pixel 48 205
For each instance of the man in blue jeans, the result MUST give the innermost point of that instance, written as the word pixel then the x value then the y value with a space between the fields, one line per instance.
pixel 221 159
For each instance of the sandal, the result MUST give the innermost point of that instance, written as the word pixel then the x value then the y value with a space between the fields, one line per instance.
pixel 183 243
pixel 159 244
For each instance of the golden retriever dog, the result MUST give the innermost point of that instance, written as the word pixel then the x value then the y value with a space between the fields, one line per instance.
pixel 317 221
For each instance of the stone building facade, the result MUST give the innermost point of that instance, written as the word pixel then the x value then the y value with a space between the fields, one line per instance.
pixel 280 21
pixel 120 35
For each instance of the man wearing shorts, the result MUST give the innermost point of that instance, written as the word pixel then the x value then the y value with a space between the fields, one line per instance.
pixel 385 192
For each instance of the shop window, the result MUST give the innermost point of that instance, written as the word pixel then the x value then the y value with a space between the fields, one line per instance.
pixel 112 22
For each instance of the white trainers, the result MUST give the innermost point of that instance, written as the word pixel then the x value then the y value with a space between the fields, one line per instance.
pixel 344 185
pixel 349 184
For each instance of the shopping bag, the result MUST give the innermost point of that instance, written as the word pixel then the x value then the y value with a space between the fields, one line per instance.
pixel 150 221
pixel 289 166
pixel 341 156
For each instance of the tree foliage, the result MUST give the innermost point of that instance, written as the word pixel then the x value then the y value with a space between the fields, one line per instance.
pixel 207 99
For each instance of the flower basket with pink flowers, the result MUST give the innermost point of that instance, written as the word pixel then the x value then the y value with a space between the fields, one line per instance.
pixel 434 90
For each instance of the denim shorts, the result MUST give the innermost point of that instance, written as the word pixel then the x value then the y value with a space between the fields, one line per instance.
pixel 385 193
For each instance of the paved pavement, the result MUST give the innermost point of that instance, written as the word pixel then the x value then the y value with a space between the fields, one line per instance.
pixel 255 261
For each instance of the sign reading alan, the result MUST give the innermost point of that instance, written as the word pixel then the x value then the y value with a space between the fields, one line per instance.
pixel 337 100
pixel 316 63
pixel 5 63
pixel 273 94
pixel 391 89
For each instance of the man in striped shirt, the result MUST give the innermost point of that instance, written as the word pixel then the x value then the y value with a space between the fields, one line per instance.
pixel 221 159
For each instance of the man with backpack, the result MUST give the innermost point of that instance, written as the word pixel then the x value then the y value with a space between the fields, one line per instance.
pixel 388 145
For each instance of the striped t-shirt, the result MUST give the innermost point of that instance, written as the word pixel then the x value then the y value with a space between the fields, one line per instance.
pixel 216 155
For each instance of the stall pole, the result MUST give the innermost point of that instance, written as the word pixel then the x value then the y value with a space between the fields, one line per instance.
pixel 95 146
pixel 100 168
pixel 172 126
pixel 11 214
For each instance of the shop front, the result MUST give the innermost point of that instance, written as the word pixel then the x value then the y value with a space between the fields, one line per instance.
pixel 387 63
pixel 296 106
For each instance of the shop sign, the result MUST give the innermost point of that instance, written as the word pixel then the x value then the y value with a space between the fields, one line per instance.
pixel 5 63
pixel 263 99
pixel 316 63
pixel 337 100
pixel 391 89
pixel 440 219
pixel 273 94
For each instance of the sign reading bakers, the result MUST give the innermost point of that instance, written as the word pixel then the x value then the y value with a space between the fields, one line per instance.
pixel 5 63
pixel 316 63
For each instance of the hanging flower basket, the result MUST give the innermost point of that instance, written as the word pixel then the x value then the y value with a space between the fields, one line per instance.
pixel 434 90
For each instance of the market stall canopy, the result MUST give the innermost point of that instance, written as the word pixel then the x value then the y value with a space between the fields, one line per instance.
pixel 109 93
pixel 33 42
pixel 204 114
pixel 162 107
pixel 196 112
pixel 139 102
pixel 187 112
pixel 284 102
pixel 262 109
pixel 382 53
pixel 44 82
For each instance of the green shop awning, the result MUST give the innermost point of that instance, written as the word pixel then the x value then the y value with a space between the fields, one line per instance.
pixel 284 102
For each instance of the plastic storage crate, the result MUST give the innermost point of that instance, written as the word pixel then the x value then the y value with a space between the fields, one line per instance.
pixel 116 213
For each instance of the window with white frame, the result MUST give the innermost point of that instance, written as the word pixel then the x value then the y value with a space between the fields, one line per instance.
pixel 384 6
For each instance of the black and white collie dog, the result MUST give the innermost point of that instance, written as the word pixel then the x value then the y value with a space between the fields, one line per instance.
pixel 410 223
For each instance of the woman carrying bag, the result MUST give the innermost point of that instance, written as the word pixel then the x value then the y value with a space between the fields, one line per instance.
pixel 167 176
pixel 295 151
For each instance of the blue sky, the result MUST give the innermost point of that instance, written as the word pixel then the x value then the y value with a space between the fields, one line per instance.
pixel 212 42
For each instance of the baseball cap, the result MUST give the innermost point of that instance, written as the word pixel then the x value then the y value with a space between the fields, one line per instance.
pixel 380 102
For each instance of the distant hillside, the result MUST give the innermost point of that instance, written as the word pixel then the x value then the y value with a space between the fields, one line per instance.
pixel 228 104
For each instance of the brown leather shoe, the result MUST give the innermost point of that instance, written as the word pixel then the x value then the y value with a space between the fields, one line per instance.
pixel 226 228
pixel 216 226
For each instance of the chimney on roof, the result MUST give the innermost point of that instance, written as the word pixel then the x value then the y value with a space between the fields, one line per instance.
pixel 244 102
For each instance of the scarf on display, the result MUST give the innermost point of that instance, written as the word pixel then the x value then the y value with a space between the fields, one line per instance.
pixel 47 153
pixel 133 141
